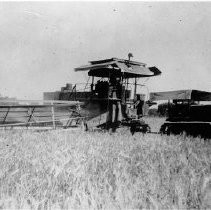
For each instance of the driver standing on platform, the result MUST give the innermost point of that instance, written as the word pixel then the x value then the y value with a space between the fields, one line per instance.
pixel 115 112
pixel 139 105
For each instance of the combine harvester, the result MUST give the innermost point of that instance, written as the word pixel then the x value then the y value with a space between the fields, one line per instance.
pixel 106 102
pixel 186 113
pixel 110 98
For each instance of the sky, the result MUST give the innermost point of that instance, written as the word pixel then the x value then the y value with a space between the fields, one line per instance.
pixel 42 42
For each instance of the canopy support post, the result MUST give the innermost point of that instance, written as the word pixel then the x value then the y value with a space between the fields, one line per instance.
pixel 92 85
pixel 135 88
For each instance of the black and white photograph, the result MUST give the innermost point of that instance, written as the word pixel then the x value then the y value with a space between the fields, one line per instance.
pixel 105 105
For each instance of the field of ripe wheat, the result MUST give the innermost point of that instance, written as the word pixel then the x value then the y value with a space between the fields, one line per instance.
pixel 65 169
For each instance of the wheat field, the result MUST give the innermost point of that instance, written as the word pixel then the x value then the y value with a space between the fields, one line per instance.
pixel 71 169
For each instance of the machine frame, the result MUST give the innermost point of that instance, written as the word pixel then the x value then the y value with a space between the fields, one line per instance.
pixel 124 71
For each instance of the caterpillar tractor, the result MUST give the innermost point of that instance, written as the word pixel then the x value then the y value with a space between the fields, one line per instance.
pixel 110 97
pixel 189 111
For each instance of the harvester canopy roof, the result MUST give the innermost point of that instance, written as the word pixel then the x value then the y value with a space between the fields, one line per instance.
pixel 195 95
pixel 119 67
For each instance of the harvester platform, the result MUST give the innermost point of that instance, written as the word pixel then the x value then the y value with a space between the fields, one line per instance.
pixel 40 113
